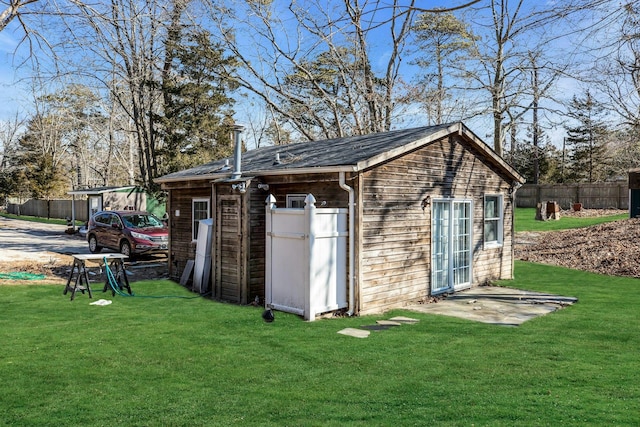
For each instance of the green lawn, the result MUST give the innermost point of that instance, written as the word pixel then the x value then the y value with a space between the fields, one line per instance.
pixel 525 220
pixel 156 361
pixel 57 221
pixel 187 362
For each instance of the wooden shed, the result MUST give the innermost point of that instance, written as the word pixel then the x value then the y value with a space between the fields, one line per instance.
pixel 112 198
pixel 430 211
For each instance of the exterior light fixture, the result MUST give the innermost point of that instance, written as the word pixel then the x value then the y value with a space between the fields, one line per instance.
pixel 240 186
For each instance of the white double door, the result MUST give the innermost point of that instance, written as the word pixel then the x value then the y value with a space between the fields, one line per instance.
pixel 451 250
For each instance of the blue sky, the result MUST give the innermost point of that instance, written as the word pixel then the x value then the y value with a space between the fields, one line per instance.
pixel 10 93
pixel 14 83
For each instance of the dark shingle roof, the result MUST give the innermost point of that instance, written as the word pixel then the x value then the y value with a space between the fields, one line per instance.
pixel 349 153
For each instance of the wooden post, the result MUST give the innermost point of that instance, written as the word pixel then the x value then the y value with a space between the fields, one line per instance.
pixel 553 210
pixel 541 211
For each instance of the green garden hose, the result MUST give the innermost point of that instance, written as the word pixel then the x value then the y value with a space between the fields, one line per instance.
pixel 21 275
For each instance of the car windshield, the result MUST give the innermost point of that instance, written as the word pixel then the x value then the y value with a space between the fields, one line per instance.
pixel 142 221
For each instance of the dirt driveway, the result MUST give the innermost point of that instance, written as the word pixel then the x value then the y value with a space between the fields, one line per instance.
pixel 47 249
pixel 33 241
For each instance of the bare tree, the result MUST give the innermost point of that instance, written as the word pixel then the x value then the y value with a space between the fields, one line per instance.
pixel 311 64
pixel 510 32
pixel 125 41
pixel 12 9
pixel 9 133
pixel 622 68
pixel 616 79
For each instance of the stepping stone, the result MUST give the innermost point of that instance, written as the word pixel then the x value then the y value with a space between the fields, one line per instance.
pixel 353 332
pixel 403 319
pixel 388 323
pixel 376 327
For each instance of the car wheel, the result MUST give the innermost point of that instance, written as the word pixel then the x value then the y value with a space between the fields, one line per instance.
pixel 94 248
pixel 125 248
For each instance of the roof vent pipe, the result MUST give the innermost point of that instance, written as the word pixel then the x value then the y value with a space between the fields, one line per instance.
pixel 237 152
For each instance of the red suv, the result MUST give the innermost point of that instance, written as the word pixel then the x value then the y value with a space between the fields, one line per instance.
pixel 129 232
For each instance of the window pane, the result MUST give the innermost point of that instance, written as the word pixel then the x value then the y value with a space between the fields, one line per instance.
pixel 491 207
pixel 200 211
pixel 493 219
pixel 491 231
pixel 296 201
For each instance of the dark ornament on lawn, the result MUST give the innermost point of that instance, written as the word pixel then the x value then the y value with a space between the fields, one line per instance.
pixel 268 316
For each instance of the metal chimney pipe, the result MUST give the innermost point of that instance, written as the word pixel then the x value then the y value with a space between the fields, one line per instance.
pixel 237 152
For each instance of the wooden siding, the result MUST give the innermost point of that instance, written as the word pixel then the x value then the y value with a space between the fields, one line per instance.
pixel 228 261
pixel 395 252
pixel 182 248
pixel 324 187
pixel 256 244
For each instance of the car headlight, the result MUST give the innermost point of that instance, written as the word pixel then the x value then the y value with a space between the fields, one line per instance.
pixel 140 236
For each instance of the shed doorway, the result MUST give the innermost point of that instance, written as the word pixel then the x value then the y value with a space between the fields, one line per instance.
pixel 228 283
pixel 95 204
pixel 451 251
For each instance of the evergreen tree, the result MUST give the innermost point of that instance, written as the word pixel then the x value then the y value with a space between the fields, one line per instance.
pixel 586 140
pixel 41 158
pixel 443 42
pixel 325 100
pixel 526 154
pixel 195 127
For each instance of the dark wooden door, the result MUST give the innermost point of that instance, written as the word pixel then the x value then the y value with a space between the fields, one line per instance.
pixel 229 249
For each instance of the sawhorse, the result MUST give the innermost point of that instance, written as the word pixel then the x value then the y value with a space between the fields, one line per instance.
pixel 119 275
pixel 79 268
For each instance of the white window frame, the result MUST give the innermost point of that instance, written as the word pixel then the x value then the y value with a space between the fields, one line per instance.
pixel 194 221
pixel 499 240
pixel 296 198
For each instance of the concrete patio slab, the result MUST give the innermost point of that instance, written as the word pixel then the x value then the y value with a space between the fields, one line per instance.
pixel 496 305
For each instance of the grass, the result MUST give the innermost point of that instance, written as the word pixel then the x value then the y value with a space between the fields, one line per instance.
pixel 57 221
pixel 190 362
pixel 525 220
pixel 151 361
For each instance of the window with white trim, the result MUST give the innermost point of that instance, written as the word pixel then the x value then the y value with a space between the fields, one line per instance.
pixel 493 220
pixel 296 201
pixel 199 211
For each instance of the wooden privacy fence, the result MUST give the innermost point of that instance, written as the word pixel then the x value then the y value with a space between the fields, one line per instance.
pixel 604 195
pixel 64 208
pixel 306 259
pixel 50 209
